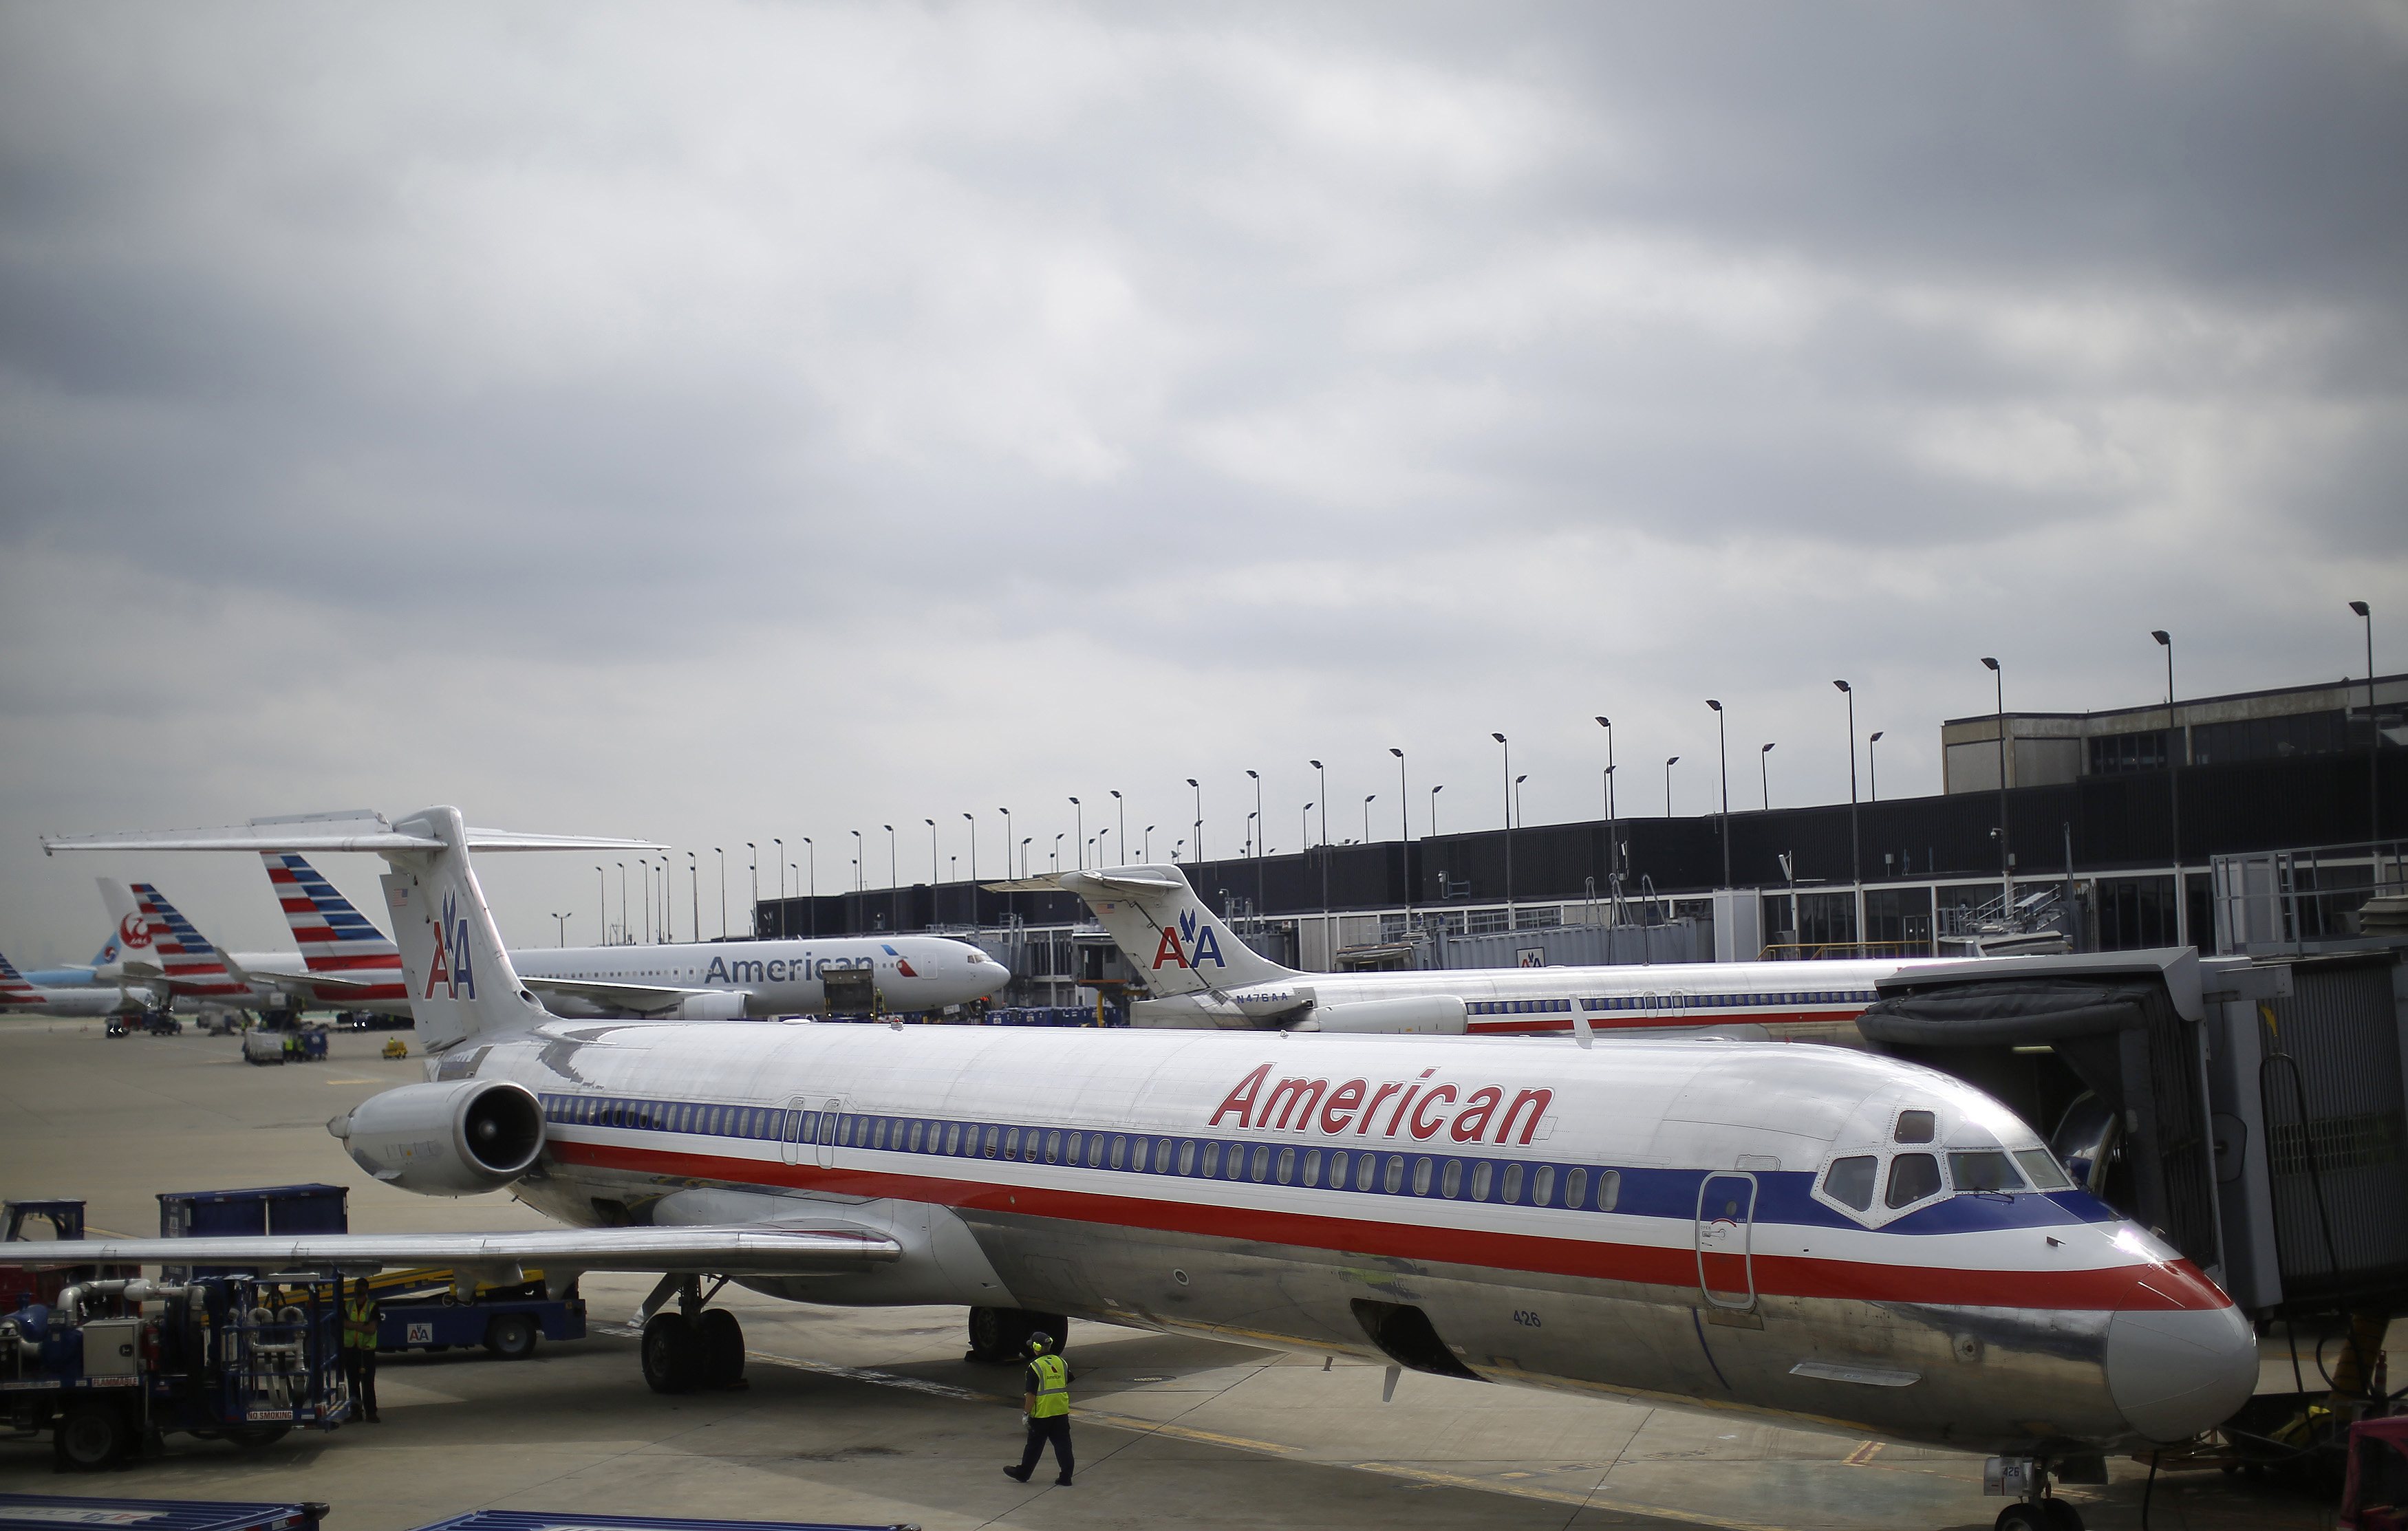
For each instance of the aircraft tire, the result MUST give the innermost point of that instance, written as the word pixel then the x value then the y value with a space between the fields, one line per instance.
pixel 999 1334
pixel 672 1354
pixel 2062 1516
pixel 92 1437
pixel 2025 1516
pixel 722 1340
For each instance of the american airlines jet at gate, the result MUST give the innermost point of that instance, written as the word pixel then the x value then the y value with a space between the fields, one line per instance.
pixel 347 964
pixel 1813 1234
pixel 1199 973
pixel 345 955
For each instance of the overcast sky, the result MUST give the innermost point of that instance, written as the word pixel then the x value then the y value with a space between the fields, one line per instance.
pixel 712 423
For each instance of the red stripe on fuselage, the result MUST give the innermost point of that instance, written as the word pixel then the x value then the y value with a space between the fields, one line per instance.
pixel 2142 1287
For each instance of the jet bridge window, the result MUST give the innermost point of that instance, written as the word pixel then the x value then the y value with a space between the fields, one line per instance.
pixel 1911 1177
pixel 1850 1180
pixel 1982 1169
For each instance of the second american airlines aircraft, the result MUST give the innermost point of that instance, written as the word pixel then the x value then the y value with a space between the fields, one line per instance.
pixel 347 964
pixel 1199 973
pixel 1814 1233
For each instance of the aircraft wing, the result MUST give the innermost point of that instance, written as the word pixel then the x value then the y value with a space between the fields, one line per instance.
pixel 642 998
pixel 321 980
pixel 749 1249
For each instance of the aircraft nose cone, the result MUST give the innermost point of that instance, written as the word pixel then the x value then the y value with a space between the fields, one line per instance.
pixel 2174 1374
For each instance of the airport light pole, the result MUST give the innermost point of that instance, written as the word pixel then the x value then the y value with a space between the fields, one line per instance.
pixel 1304 827
pixel 1262 832
pixel 1721 756
pixel 1507 745
pixel 694 887
pixel 721 851
pixel 894 876
pixel 1057 849
pixel 932 865
pixel 1119 805
pixel 1613 841
pixel 1147 855
pixel 1077 846
pixel 563 927
pixel 1199 819
pixel 2373 738
pixel 860 880
pixel 1023 853
pixel 1322 773
pixel 1366 816
pixel 1008 906
pixel 780 851
pixel 972 822
pixel 624 939
pixel 1855 855
pixel 1872 764
pixel 2173 771
pixel 1434 792
pixel 602 886
pixel 2006 857
pixel 753 924
pixel 1668 763
pixel 811 870
pixel 1764 772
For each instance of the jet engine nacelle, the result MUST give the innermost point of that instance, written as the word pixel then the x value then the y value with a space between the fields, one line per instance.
pixel 1421 1015
pixel 719 1005
pixel 447 1139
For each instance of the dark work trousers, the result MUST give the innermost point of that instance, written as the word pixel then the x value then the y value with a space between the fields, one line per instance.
pixel 359 1369
pixel 1056 1430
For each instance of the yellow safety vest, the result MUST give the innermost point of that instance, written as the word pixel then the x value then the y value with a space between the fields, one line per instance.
pixel 360 1325
pixel 1052 1387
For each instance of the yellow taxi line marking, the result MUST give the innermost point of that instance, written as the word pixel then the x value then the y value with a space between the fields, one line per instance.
pixel 1864 1454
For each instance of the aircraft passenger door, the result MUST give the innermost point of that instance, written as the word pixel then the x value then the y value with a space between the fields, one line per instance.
pixel 830 1111
pixel 793 1133
pixel 1725 1214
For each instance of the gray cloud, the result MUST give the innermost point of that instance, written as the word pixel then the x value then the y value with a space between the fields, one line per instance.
pixel 815 416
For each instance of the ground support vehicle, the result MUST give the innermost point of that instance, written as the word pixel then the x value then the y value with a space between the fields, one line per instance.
pixel 114 1364
pixel 42 1512
pixel 420 1311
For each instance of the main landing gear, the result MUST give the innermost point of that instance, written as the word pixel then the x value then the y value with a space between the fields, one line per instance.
pixel 690 1347
pixel 1001 1334
pixel 2036 1509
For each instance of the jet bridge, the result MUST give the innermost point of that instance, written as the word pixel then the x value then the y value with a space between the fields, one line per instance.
pixel 2253 1111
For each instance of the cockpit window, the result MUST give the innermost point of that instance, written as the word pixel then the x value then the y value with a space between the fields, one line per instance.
pixel 1911 1177
pixel 1850 1180
pixel 2041 1166
pixel 1982 1169
pixel 1915 1127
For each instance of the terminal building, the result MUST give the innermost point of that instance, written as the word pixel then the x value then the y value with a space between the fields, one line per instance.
pixel 2111 833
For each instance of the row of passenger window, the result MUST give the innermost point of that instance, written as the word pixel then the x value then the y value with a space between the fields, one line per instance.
pixel 1203 1158
pixel 1336 1169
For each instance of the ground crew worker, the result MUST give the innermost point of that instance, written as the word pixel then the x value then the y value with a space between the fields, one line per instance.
pixel 361 1315
pixel 1045 1401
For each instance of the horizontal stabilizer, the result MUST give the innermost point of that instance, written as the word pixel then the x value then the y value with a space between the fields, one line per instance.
pixel 756 1248
pixel 386 980
pixel 1132 883
pixel 368 832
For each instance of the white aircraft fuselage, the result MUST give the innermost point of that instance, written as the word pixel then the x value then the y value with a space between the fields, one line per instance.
pixel 1647 1219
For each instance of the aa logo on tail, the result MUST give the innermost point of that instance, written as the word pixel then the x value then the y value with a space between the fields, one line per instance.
pixel 1198 948
pixel 450 967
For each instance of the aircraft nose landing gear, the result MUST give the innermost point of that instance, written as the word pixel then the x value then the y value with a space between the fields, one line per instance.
pixel 2036 1509
pixel 692 1347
